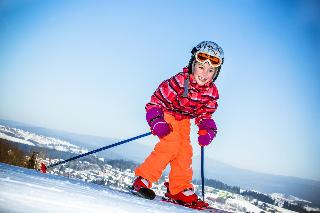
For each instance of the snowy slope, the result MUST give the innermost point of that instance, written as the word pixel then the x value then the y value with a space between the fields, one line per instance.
pixel 24 190
pixel 93 172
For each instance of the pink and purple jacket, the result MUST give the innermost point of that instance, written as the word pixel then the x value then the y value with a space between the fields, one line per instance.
pixel 200 104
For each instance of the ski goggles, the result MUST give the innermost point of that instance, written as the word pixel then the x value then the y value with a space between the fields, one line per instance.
pixel 203 57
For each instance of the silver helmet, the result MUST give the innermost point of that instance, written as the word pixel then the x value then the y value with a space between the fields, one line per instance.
pixel 211 48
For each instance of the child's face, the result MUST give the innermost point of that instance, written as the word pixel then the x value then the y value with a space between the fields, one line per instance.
pixel 203 72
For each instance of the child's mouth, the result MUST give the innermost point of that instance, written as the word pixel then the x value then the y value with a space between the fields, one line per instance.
pixel 202 79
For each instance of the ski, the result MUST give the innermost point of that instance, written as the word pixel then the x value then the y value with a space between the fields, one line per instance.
pixel 150 195
pixel 195 207
pixel 144 193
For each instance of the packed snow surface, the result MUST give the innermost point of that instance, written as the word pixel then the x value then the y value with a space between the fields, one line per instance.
pixel 24 190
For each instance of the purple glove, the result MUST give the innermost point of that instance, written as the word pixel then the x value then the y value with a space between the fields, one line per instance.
pixel 158 125
pixel 207 131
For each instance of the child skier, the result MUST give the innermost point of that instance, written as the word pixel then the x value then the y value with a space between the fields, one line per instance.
pixel 189 94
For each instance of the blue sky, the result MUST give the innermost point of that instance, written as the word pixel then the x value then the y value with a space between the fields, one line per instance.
pixel 90 67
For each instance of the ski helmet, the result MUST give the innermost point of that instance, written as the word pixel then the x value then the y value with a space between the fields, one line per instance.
pixel 210 48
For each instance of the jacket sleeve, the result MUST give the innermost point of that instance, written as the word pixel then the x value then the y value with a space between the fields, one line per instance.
pixel 206 111
pixel 166 93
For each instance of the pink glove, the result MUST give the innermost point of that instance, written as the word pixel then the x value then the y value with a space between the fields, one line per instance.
pixel 207 131
pixel 158 125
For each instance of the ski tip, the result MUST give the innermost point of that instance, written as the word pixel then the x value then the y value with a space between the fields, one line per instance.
pixel 43 168
pixel 144 193
pixel 148 193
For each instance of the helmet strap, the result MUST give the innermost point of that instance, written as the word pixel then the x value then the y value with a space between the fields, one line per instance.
pixel 216 74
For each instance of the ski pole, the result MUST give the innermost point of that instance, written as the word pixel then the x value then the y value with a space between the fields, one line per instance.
pixel 202 171
pixel 44 167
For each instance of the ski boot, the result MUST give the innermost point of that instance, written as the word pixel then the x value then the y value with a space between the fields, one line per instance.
pixel 141 187
pixel 186 198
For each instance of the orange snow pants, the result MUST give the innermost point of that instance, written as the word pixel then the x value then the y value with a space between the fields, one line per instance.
pixel 175 149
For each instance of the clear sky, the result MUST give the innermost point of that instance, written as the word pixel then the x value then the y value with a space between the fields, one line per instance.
pixel 89 67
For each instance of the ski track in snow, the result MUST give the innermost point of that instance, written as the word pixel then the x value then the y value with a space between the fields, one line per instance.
pixel 24 190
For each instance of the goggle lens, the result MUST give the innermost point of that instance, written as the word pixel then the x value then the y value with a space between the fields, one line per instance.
pixel 202 57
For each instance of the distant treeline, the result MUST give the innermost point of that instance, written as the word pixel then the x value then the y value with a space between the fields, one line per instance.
pixel 259 196
pixel 297 208
pixel 268 199
pixel 122 164
pixel 12 153
pixel 252 194
pixel 219 185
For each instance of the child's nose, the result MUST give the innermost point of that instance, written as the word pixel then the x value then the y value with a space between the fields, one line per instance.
pixel 207 72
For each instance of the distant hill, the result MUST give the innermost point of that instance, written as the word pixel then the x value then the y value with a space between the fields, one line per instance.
pixel 131 151
pixel 86 141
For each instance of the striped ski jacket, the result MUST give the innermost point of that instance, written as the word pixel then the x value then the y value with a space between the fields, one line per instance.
pixel 200 104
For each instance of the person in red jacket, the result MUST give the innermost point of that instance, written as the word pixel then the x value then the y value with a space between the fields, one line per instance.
pixel 187 95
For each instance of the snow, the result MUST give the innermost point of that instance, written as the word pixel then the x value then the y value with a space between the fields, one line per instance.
pixel 289 198
pixel 29 138
pixel 243 203
pixel 13 139
pixel 24 190
pixel 282 210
